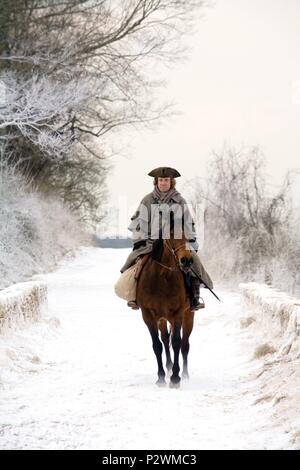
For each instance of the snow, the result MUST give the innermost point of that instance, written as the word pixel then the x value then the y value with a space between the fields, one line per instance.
pixel 21 303
pixel 276 324
pixel 279 314
pixel 83 376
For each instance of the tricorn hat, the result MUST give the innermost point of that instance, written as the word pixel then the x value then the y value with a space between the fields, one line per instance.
pixel 164 172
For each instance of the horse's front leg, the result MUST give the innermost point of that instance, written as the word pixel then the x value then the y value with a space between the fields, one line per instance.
pixel 158 349
pixel 176 344
pixel 165 336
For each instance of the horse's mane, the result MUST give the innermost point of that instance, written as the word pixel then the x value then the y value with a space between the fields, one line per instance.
pixel 157 248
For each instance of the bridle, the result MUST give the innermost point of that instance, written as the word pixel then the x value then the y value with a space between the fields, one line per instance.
pixel 173 251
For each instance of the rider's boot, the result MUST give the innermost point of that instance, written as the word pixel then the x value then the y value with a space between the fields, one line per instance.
pixel 133 304
pixel 196 301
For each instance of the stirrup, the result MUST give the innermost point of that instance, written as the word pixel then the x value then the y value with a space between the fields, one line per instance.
pixel 200 304
pixel 133 305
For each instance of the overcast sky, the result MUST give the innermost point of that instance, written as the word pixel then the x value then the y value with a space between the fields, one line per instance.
pixel 240 85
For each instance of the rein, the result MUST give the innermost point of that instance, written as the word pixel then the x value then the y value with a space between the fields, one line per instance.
pixel 173 251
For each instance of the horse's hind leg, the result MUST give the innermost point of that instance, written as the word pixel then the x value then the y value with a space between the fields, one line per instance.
pixel 187 327
pixel 176 344
pixel 165 336
pixel 157 348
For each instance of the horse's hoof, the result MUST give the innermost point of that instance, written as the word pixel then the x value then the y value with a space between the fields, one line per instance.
pixel 161 383
pixel 174 385
pixel 175 382
pixel 185 376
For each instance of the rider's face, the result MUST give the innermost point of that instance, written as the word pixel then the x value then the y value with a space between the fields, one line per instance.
pixel 164 184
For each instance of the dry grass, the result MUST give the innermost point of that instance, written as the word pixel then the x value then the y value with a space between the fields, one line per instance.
pixel 263 350
pixel 245 322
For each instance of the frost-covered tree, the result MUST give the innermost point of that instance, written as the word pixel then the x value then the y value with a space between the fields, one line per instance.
pixel 249 225
pixel 117 44
pixel 34 109
pixel 35 232
pixel 106 54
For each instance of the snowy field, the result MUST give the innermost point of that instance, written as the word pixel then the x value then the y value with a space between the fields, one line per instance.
pixel 83 377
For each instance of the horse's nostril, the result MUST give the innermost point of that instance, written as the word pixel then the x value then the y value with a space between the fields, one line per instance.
pixel 186 261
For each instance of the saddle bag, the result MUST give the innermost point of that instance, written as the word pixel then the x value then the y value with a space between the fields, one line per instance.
pixel 126 284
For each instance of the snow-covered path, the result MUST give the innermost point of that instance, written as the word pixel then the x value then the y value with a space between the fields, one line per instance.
pixel 84 377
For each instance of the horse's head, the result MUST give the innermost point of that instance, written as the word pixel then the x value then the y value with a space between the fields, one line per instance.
pixel 176 245
pixel 181 250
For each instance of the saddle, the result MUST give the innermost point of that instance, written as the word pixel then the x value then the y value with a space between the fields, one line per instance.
pixel 141 261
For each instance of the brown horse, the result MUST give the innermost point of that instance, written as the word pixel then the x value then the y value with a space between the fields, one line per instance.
pixel 163 297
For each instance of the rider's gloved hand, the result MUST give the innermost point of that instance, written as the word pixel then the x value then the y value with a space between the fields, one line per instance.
pixel 138 244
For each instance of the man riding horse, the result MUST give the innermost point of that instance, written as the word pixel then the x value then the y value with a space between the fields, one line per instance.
pixel 152 214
